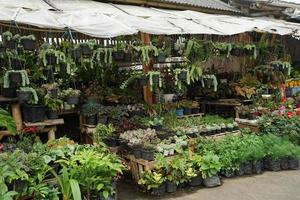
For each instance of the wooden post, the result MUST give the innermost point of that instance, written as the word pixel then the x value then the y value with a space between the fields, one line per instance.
pixel 51 134
pixel 148 96
pixel 16 113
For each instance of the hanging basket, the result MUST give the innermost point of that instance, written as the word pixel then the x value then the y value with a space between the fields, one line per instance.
pixel 24 96
pixel 15 79
pixel 17 64
pixel 29 45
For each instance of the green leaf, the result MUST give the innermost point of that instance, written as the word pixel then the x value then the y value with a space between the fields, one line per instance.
pixel 75 189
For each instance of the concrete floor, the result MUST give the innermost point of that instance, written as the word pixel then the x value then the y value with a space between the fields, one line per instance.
pixel 284 185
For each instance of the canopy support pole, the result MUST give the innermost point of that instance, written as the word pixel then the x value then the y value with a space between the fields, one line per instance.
pixel 148 96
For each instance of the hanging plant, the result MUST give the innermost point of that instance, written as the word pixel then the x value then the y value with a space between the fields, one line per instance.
pixel 251 49
pixel 146 51
pixel 154 78
pixel 222 48
pixel 33 94
pixel 51 56
pixel 195 51
pixel 195 71
pixel 107 52
pixel 22 73
pixel 213 78
pixel 282 66
pixel 28 42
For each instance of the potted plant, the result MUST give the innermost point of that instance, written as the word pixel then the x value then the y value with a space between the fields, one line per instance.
pixel 148 151
pixel 32 111
pixel 294 160
pixel 53 105
pixel 187 106
pixel 210 167
pixel 52 89
pixel 27 95
pixel 50 56
pixel 71 96
pixel 10 41
pixel 28 42
pixel 18 78
pixel 154 79
pixel 154 182
pixel 106 134
pixel 197 179
pixel 90 110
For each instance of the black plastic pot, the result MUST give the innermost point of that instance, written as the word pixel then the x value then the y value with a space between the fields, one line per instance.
pixel 237 52
pixel 73 100
pixel 248 168
pixel 196 181
pixel 33 113
pixel 91 120
pixel 208 82
pixel 118 55
pixel 49 75
pixel 52 114
pixel 294 164
pixel 171 187
pixel 159 191
pixel 157 127
pixel 76 53
pixel 53 92
pixel 228 173
pixel 29 45
pixel 182 76
pixel 240 171
pixel 137 152
pixel 51 59
pixel 143 81
pixel 223 130
pixel 274 165
pixel 24 96
pixel 111 142
pixel 15 79
pixel 148 154
pixel 284 163
pixel 16 64
pixel 161 58
pixel 257 167
pixel 195 110
pixel 9 92
pixel 11 44
pixel 213 181
pixel 187 111
pixel 102 119
pixel 86 50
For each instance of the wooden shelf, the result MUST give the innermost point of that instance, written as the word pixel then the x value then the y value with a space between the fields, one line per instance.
pixel 192 115
pixel 6 99
pixel 68 112
pixel 52 122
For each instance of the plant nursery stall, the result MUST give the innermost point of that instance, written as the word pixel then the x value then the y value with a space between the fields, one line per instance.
pixel 176 98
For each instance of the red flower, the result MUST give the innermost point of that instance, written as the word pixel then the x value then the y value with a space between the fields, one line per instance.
pixel 1 147
pixel 32 129
pixel 283 99
pixel 298 112
pixel 290 114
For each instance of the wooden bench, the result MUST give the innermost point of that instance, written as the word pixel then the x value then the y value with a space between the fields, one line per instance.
pixel 48 126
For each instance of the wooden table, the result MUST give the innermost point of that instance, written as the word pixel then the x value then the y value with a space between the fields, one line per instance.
pixel 49 126
pixel 206 106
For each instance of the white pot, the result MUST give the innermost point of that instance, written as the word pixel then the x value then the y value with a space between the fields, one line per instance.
pixel 171 152
pixel 166 152
pixel 168 98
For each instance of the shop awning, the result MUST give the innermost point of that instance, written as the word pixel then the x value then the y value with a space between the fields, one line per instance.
pixel 110 20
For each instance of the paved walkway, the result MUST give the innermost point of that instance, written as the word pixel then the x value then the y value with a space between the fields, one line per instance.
pixel 284 185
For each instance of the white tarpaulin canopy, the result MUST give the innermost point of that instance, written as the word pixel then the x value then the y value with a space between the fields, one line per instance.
pixel 110 20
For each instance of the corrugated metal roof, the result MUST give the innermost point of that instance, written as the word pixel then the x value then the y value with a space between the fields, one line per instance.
pixel 211 4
